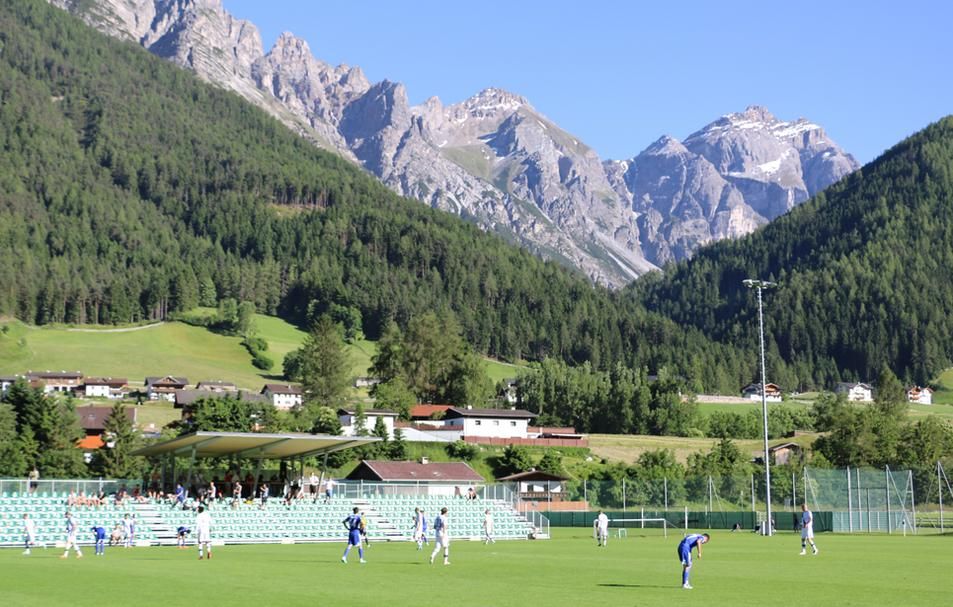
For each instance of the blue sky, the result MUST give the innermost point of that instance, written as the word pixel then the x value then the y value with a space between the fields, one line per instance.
pixel 620 74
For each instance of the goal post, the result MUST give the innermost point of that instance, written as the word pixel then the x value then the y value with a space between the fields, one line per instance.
pixel 640 526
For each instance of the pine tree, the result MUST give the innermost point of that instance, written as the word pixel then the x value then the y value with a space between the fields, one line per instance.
pixel 324 368
pixel 115 459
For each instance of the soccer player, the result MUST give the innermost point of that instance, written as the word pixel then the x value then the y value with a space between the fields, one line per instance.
pixel 99 535
pixel 418 528
pixel 423 527
pixel 181 533
pixel 29 533
pixel 364 541
pixel 353 525
pixel 127 531
pixel 203 529
pixel 692 540
pixel 807 530
pixel 602 529
pixel 488 527
pixel 441 528
pixel 71 538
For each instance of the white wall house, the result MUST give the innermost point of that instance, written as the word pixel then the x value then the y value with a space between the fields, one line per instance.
pixel 492 423
pixel 856 392
pixel 6 382
pixel 753 392
pixel 105 387
pixel 921 396
pixel 164 387
pixel 56 381
pixel 348 417
pixel 283 396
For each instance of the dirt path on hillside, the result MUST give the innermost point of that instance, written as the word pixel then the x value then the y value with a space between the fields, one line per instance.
pixel 122 330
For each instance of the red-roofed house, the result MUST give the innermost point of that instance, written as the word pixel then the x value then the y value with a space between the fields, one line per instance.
pixel 415 472
pixel 427 412
pixel 93 422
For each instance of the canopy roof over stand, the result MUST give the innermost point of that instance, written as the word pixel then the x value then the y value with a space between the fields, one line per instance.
pixel 254 446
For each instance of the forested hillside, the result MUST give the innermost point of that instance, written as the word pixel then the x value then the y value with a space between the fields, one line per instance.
pixel 130 190
pixel 865 273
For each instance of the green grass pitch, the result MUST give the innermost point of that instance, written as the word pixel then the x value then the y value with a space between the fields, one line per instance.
pixel 569 570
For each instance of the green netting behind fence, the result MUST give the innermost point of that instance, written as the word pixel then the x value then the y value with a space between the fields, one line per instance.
pixel 784 521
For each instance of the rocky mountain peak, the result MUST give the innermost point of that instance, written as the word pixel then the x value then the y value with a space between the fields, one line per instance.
pixel 493 158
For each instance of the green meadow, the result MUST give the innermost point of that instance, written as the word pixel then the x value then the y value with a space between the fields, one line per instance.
pixel 737 569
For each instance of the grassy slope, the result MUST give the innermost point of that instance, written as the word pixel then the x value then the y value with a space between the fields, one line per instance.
pixel 171 348
pixel 628 448
pixel 737 570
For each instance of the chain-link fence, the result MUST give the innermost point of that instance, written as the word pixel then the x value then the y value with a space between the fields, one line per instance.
pixel 847 500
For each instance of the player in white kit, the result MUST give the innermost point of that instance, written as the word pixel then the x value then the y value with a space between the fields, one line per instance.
pixel 807 530
pixel 29 533
pixel 602 529
pixel 71 538
pixel 203 532
pixel 488 527
pixel 441 527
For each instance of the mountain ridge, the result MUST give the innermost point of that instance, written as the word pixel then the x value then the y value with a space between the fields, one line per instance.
pixel 492 158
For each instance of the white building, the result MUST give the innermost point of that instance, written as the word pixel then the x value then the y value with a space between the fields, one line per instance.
pixel 348 417
pixel 105 387
pixel 491 423
pixel 772 392
pixel 164 387
pixel 921 396
pixel 7 381
pixel 283 396
pixel 856 392
pixel 56 381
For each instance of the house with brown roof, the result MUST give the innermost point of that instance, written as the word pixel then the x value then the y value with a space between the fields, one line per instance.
pixel 753 392
pixel 423 412
pixel 537 485
pixel 782 453
pixel 105 387
pixel 415 472
pixel 283 396
pixel 164 387
pixel 216 385
pixel 856 392
pixel 920 396
pixel 490 423
pixel 6 381
pixel 348 419
pixel 93 422
pixel 56 381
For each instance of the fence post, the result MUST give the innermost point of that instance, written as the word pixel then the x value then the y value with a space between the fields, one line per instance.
pixel 793 491
pixel 623 496
pixel 887 495
pixel 939 486
pixel 709 501
pixel 686 520
pixel 860 505
pixel 850 505
pixel 752 493
pixel 868 511
pixel 913 503
pixel 665 487
pixel 585 491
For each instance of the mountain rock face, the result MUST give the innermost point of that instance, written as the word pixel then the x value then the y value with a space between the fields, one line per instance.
pixel 725 180
pixel 493 158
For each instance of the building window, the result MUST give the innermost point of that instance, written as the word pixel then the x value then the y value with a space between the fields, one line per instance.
pixel 496 422
pixel 513 424
pixel 476 422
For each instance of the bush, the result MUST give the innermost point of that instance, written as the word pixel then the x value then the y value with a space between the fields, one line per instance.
pixel 462 450
pixel 255 344
pixel 262 361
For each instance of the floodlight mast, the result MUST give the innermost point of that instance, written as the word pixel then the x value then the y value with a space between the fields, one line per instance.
pixel 760 285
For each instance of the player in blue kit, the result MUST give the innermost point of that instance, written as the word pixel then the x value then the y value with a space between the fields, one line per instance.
pixel 353 526
pixel 99 535
pixel 692 540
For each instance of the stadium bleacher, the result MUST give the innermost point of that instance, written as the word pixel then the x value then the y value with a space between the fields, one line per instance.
pixel 389 519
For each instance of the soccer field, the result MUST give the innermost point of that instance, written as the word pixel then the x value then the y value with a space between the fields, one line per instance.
pixel 736 569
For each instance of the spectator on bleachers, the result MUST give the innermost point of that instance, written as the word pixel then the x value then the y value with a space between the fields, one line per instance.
pixel 263 494
pixel 179 499
pixel 212 493
pixel 456 492
pixel 154 480
pixel 329 490
pixel 34 478
pixel 236 494
pixel 471 494
pixel 313 483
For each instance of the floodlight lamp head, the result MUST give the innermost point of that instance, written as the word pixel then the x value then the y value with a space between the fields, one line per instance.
pixel 752 283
